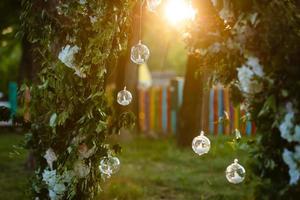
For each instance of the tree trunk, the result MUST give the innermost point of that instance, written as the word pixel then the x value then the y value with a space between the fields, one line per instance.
pixel 189 119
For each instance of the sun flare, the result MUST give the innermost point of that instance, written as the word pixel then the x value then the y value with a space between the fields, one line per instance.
pixel 178 11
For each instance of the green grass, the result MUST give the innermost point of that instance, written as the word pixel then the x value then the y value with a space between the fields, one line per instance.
pixel 150 169
pixel 158 169
pixel 13 176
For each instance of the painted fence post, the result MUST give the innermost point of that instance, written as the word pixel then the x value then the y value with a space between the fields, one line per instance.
pixel 13 98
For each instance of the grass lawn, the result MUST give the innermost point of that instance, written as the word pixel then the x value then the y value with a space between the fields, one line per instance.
pixel 13 176
pixel 150 169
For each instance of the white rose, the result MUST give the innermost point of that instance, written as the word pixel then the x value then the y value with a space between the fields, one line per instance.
pixel 52 195
pixel 93 19
pixel 67 55
pixel 82 2
pixel 50 157
pixel 85 152
pixel 286 127
pixel 81 170
pixel 253 62
pixel 246 75
pixel 59 188
pixel 297 133
pixel 290 158
pixel 295 175
pixel 49 176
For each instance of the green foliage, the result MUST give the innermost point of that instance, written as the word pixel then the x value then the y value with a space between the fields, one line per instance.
pixel 226 35
pixel 70 110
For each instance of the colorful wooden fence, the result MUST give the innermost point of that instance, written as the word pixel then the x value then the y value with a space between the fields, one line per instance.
pixel 220 116
pixel 159 106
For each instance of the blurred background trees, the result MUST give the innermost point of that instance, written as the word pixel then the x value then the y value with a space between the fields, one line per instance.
pixel 10 45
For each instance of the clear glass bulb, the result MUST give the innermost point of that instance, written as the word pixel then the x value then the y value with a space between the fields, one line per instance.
pixel 109 165
pixel 140 53
pixel 201 144
pixel 124 97
pixel 153 5
pixel 235 173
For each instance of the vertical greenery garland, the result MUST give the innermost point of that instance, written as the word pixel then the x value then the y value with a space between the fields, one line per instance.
pixel 253 46
pixel 76 42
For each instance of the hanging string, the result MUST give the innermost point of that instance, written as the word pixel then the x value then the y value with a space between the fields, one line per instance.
pixel 141 16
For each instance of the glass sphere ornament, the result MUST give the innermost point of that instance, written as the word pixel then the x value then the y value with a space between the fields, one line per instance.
pixel 235 173
pixel 152 5
pixel 201 144
pixel 124 97
pixel 139 53
pixel 109 165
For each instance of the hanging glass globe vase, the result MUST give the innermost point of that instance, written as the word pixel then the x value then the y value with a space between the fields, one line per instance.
pixel 201 144
pixel 139 53
pixel 124 97
pixel 109 165
pixel 235 173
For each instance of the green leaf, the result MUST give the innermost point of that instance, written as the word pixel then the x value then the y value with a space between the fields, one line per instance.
pixel 101 126
pixel 270 104
pixel 62 117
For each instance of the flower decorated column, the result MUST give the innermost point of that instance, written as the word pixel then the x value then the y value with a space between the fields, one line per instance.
pixel 253 47
pixel 76 42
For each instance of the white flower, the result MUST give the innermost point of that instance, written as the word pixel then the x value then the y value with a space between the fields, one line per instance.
pixel 81 169
pixel 79 73
pixel 297 134
pixel 50 157
pixel 84 152
pixel 237 134
pixel 59 188
pixel 297 153
pixel 93 19
pixel 246 75
pixel 52 195
pixel 49 176
pixel 52 121
pixel 66 55
pixel 82 2
pixel 290 159
pixel 286 127
pixel 295 175
pixel 225 13
pixel 57 183
pixel 253 62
